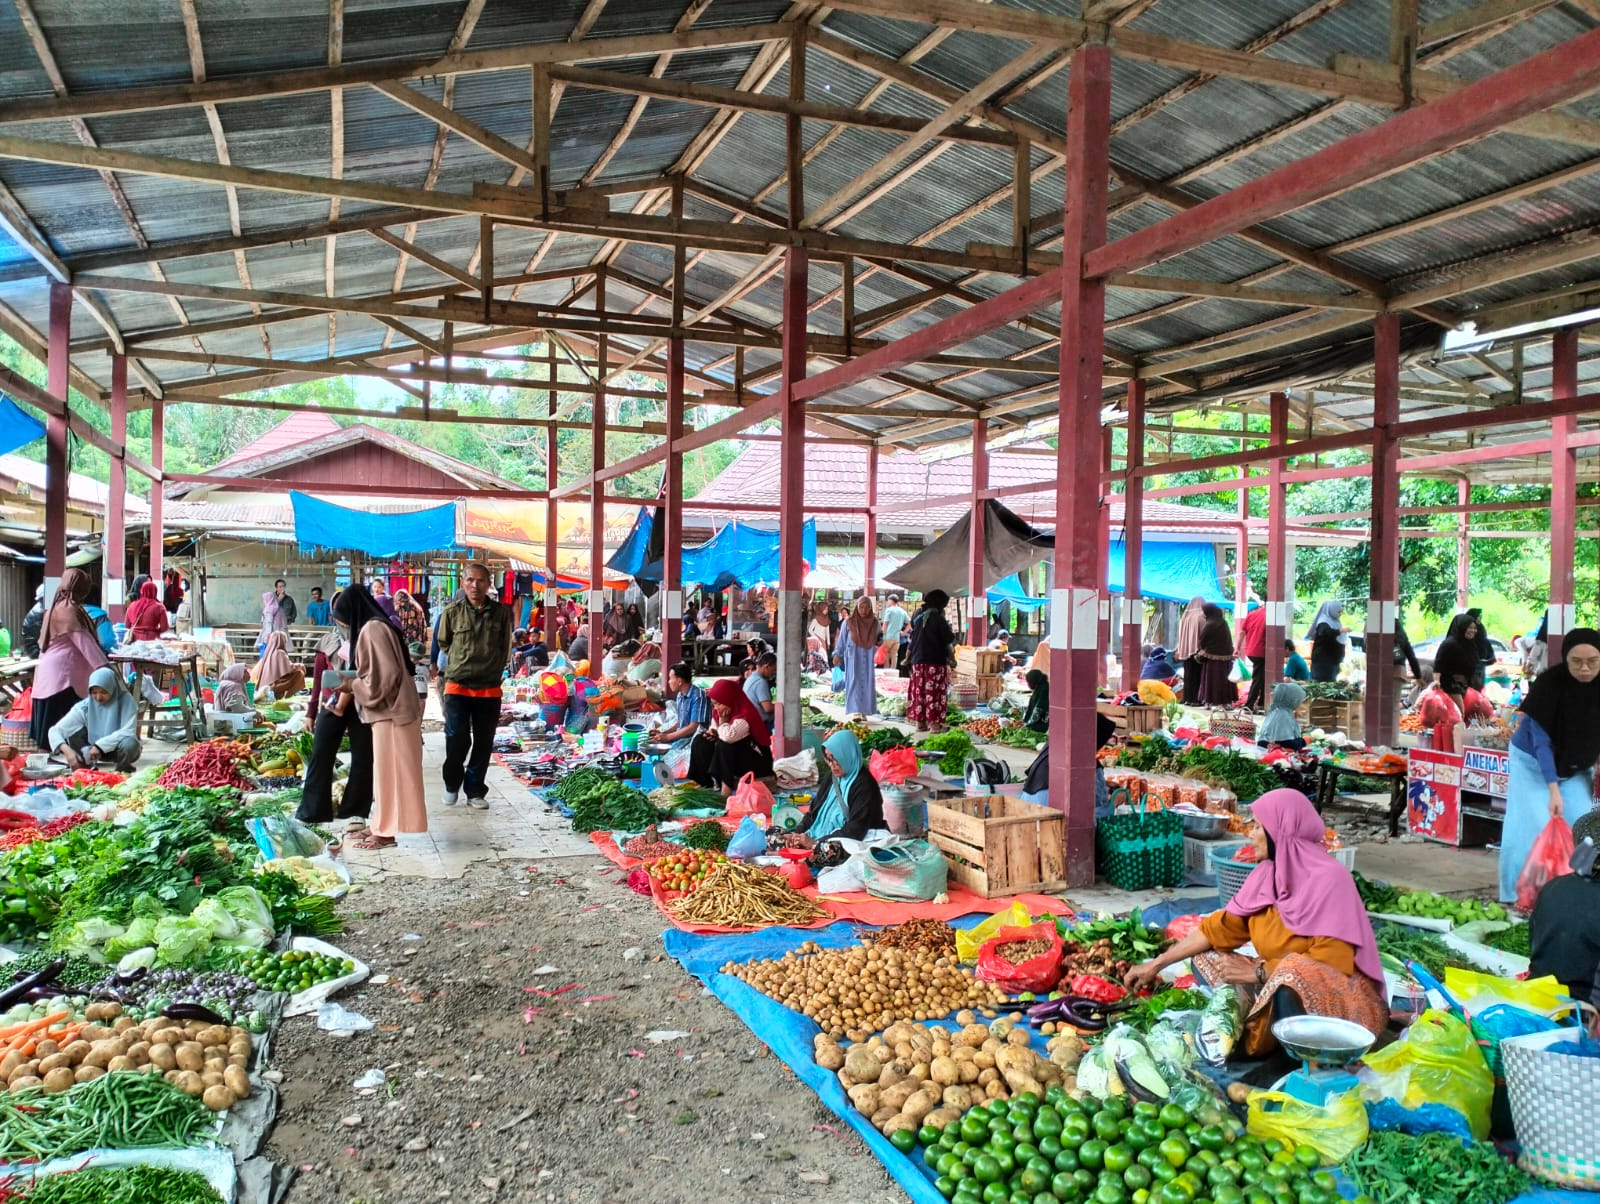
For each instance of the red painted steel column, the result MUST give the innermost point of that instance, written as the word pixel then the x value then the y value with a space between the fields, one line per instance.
pixel 1133 542
pixel 1464 544
pixel 552 550
pixel 672 515
pixel 869 570
pixel 158 501
pixel 1563 489
pixel 597 493
pixel 1102 558
pixel 977 596
pixel 1074 608
pixel 1280 591
pixel 113 582
pixel 1383 603
pixel 792 501
pixel 55 433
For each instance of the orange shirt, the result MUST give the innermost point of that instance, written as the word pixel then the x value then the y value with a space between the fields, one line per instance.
pixel 451 687
pixel 1273 940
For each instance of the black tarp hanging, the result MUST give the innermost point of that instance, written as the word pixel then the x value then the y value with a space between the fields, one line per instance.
pixel 1010 545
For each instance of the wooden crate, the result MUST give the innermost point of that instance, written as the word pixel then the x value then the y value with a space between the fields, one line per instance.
pixel 1340 716
pixel 976 662
pixel 1000 846
pixel 1132 719
pixel 989 685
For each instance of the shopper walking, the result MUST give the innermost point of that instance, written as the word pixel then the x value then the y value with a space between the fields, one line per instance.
pixel 1328 641
pixel 1553 753
pixel 1253 647
pixel 385 691
pixel 856 653
pixel 69 651
pixel 1188 648
pixel 475 635
pixel 272 619
pixel 932 646
pixel 1216 657
pixel 146 619
pixel 895 619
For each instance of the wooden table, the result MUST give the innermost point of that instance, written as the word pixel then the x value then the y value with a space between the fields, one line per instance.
pixel 182 673
pixel 716 658
pixel 1329 773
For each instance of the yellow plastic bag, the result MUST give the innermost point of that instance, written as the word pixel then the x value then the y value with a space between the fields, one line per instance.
pixel 1335 1129
pixel 1436 1073
pixel 1536 994
pixel 970 940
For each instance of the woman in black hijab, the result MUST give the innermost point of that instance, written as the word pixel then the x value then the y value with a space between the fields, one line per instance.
pixel 1455 660
pixel 1553 753
pixel 1216 654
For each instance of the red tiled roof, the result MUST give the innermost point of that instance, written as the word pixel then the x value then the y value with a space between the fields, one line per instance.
pixel 299 428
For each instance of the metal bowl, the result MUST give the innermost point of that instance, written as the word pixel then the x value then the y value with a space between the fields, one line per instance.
pixel 1324 1039
pixel 1203 827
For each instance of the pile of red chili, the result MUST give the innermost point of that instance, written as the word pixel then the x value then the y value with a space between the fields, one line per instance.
pixel 18 828
pixel 213 763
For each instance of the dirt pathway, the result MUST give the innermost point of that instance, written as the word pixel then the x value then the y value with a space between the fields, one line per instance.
pixel 497 1093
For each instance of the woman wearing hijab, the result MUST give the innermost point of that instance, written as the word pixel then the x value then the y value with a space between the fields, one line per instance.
pixel 413 622
pixel 1553 753
pixel 856 652
pixel 1157 667
pixel 636 627
pixel 69 651
pixel 1216 658
pixel 1188 649
pixel 385 694
pixel 230 697
pixel 853 805
pixel 617 626
pixel 272 619
pixel 734 743
pixel 1037 716
pixel 332 722
pixel 1328 642
pixel 146 619
pixel 276 672
pixel 932 643
pixel 1299 908
pixel 1280 728
pixel 1455 660
pixel 104 727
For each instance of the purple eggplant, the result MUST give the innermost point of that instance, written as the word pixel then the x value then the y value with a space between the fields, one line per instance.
pixel 191 1011
pixel 1050 1009
pixel 1085 1014
pixel 20 988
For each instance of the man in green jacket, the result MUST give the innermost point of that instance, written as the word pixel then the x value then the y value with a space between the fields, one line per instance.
pixel 475 635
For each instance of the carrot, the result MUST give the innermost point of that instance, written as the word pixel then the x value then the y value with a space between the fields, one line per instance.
pixel 29 1026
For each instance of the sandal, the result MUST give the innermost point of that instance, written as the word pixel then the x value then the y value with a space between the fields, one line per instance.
pixel 372 841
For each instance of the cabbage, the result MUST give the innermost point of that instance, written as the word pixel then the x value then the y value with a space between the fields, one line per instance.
pixel 141 932
pixel 248 908
pixel 86 937
pixel 181 940
pixel 139 959
pixel 218 920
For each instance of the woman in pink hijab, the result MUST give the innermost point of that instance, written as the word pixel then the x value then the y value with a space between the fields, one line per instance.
pixel 1315 952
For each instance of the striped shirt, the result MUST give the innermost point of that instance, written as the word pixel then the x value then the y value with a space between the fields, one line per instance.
pixel 694 706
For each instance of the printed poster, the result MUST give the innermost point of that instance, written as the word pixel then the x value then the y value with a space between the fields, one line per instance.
pixel 1433 795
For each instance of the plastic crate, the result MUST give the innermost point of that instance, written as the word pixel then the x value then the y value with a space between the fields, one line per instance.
pixel 1230 874
pixel 1197 869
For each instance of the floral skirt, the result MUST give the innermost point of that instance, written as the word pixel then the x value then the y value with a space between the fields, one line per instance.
pixel 928 695
pixel 1323 991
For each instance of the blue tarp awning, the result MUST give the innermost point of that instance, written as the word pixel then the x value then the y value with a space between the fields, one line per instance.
pixel 736 555
pixel 319 524
pixel 17 427
pixel 1174 571
pixel 1009 590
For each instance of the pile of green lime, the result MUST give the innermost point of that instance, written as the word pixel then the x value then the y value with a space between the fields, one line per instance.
pixel 1066 1151
pixel 293 970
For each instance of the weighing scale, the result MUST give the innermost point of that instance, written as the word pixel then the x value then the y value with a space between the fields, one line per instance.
pixel 1327 1046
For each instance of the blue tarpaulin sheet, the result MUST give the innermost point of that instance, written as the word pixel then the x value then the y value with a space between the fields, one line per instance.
pixel 17 427
pixel 1174 571
pixel 789 1034
pixel 630 557
pixel 736 555
pixel 1009 590
pixel 319 524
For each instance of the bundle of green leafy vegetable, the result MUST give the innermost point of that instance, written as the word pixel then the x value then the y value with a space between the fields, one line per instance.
pixel 1147 1011
pixel 1020 737
pixel 1405 944
pixel 577 783
pixel 1245 776
pixel 611 806
pixel 956 747
pixel 882 739
pixel 1130 937
pixel 1511 940
pixel 1331 691
pixel 1376 896
pixel 1434 1168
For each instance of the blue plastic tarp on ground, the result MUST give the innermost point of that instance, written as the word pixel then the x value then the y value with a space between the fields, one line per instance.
pixel 1174 571
pixel 17 427
pixel 736 555
pixel 319 524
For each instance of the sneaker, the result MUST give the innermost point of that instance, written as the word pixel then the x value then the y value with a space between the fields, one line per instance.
pixel 452 797
pixel 478 804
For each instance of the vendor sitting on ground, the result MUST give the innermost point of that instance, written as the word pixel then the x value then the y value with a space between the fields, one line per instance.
pixel 275 671
pixel 1158 665
pixel 1564 930
pixel 734 743
pixel 103 728
pixel 1315 951
pixel 853 804
pixel 1037 716
pixel 1280 729
pixel 230 696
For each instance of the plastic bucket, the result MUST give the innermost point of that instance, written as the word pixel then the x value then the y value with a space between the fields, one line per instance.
pixel 632 736
pixel 905 811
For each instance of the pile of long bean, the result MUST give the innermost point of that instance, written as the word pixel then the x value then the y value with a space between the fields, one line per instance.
pixel 124 1185
pixel 120 1111
pixel 746 896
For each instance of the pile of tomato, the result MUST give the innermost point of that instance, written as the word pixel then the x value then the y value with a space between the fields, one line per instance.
pixel 1065 1151
pixel 685 871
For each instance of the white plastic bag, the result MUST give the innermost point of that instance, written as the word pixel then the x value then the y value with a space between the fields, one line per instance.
pixel 303 1003
pixel 798 770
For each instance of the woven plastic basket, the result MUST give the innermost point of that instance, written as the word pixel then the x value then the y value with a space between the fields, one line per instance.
pixel 1230 873
pixel 1552 1106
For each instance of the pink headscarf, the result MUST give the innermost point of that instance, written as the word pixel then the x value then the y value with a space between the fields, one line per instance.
pixel 1314 894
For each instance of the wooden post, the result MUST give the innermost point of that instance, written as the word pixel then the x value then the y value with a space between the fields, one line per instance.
pixel 55 434
pixel 1073 744
pixel 113 581
pixel 1383 603
pixel 1133 542
pixel 977 599
pixel 1563 490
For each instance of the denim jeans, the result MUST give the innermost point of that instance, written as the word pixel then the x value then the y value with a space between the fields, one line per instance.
pixel 469 725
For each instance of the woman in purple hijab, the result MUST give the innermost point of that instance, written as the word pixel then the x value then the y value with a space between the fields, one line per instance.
pixel 1300 909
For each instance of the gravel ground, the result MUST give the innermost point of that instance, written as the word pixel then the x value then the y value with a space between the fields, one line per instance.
pixel 496 1093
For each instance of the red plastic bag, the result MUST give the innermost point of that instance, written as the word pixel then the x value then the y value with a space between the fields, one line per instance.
pixel 1548 859
pixel 1182 927
pixel 1037 974
pixel 892 765
pixel 751 798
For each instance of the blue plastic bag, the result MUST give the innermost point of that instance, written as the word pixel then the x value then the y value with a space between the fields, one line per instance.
pixel 838 679
pixel 748 840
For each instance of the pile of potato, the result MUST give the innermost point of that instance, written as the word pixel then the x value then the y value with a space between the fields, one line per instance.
pixel 210 1061
pixel 911 1075
pixel 856 991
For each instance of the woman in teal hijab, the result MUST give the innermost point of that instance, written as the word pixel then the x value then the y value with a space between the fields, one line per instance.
pixel 853 805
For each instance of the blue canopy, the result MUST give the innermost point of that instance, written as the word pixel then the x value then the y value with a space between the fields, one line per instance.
pixel 319 524
pixel 17 428
pixel 735 555
pixel 1009 590
pixel 1174 571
